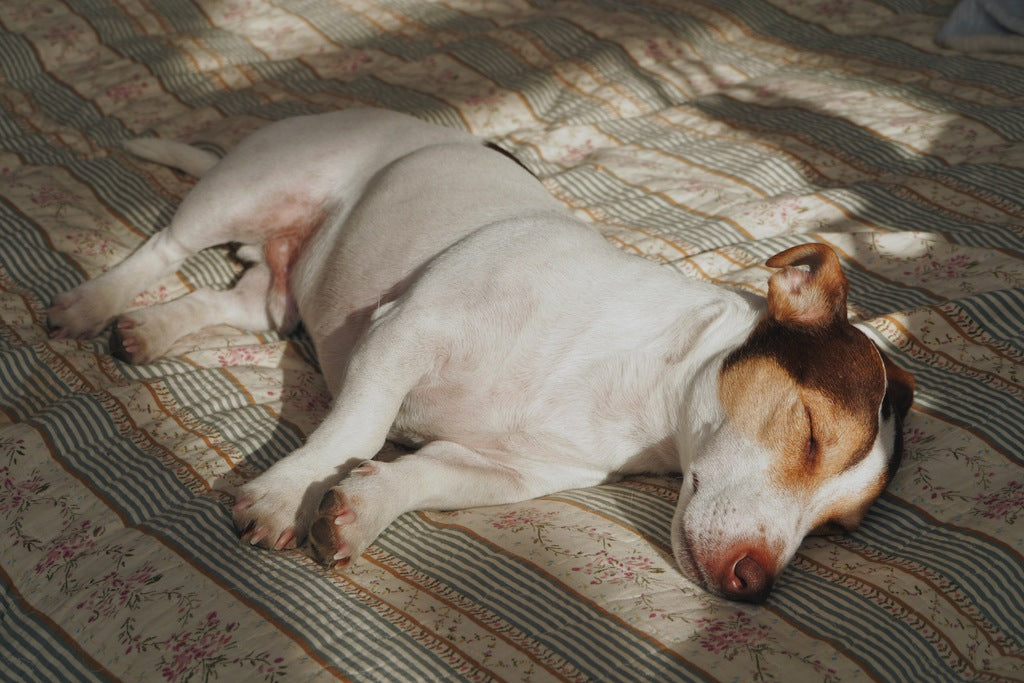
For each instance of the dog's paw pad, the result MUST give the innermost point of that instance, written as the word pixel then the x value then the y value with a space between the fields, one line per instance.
pixel 351 516
pixel 333 502
pixel 138 341
pixel 123 347
pixel 327 535
pixel 327 549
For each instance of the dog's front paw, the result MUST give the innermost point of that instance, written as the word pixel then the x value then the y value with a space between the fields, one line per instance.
pixel 272 512
pixel 80 313
pixel 351 516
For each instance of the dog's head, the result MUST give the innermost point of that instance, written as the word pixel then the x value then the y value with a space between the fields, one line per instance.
pixel 810 436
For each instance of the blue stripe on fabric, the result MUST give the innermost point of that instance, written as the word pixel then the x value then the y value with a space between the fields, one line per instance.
pixel 650 515
pixel 877 296
pixel 31 651
pixel 863 631
pixel 277 583
pixel 998 312
pixel 85 436
pixel 554 616
pixel 953 552
pixel 769 20
pixel 26 255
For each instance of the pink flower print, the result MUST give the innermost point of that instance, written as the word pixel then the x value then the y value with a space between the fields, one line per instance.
pixel 305 399
pixel 126 90
pixel 576 153
pixel 89 243
pixel 732 636
pixel 69 545
pixel 270 668
pixel 607 568
pixel 934 269
pixel 356 62
pixel 244 355
pixel 63 34
pixel 517 520
pixel 831 8
pixel 16 495
pixel 511 521
pixel 789 208
pixel 236 11
pixel 954 266
pixel 12 448
pixel 653 50
pixel 47 195
pixel 1004 504
pixel 189 651
pixel 491 96
pixel 728 636
pixel 913 435
pixel 113 592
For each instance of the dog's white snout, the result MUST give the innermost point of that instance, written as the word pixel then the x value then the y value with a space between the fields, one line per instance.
pixel 744 571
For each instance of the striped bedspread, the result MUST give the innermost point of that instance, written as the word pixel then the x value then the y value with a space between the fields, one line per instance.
pixel 705 135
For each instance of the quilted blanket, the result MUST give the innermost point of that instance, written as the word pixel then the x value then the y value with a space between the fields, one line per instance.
pixel 705 135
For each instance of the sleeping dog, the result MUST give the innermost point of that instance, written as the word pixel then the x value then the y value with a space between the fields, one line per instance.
pixel 457 308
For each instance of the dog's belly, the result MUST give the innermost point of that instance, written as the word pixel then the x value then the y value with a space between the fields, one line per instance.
pixel 476 410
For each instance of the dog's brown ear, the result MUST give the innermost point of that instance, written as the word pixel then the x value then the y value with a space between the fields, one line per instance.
pixel 810 289
pixel 900 386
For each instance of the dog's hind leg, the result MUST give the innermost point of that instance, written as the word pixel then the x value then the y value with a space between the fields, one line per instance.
pixel 223 207
pixel 147 333
pixel 87 309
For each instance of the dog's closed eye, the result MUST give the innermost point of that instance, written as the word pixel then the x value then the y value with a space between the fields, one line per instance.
pixel 812 450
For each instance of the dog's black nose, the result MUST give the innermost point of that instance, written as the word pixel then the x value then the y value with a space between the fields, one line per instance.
pixel 748 581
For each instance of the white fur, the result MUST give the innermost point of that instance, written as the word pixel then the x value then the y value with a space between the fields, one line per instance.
pixel 455 307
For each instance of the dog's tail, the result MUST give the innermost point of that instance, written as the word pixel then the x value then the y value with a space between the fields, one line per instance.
pixel 187 158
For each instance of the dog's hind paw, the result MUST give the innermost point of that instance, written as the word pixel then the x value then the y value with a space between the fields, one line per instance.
pixel 80 313
pixel 142 336
pixel 128 343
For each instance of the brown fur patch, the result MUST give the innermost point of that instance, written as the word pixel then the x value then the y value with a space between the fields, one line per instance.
pixel 846 515
pixel 816 296
pixel 809 395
